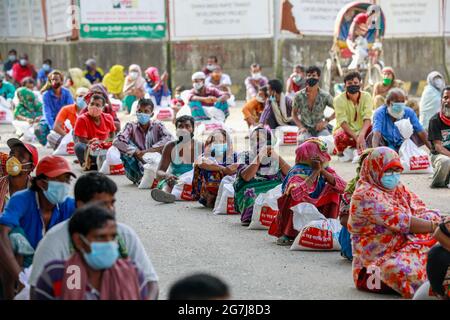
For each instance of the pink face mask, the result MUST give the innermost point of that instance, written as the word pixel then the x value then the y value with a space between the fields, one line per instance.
pixel 94 111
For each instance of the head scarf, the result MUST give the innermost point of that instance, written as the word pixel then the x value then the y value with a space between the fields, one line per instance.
pixel 351 185
pixel 27 99
pixel 310 148
pixel 98 89
pixel 48 84
pixel 134 83
pixel 115 79
pixel 389 70
pixel 152 74
pixel 431 78
pixel 78 80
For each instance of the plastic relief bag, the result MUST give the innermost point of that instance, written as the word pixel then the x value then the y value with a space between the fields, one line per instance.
pixel 225 197
pixel 6 114
pixel 413 158
pixel 329 140
pixel 113 164
pixel 265 209
pixel 304 213
pixel 66 146
pixel 183 189
pixel 152 160
pixel 321 235
pixel 287 135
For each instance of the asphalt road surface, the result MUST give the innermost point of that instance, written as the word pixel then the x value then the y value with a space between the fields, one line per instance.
pixel 184 238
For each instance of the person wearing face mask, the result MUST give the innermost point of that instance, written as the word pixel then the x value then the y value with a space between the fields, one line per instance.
pixel 178 157
pixel 114 81
pixel 253 109
pixel 156 86
pixel 12 59
pixel 67 113
pixel 296 80
pixel 354 110
pixel 42 76
pixel 309 106
pixel 91 130
pixel 261 169
pixel 23 69
pixel 390 227
pixel 278 109
pixel 93 188
pixel 55 97
pixel 22 160
pixel 255 81
pixel 7 89
pixel 203 96
pixel 218 160
pixel 381 89
pixel 30 84
pixel 211 63
pixel 430 101
pixel 134 88
pixel 29 214
pixel 219 80
pixel 140 137
pixel 177 102
pixel 439 135
pixel 385 132
pixel 27 111
pixel 93 73
pixel 103 274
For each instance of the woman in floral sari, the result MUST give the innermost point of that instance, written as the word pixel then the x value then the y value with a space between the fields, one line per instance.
pixel 218 160
pixel 391 228
pixel 262 169
pixel 311 180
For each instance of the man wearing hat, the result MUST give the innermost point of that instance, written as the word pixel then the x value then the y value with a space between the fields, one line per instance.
pixel 22 160
pixel 29 214
pixel 203 96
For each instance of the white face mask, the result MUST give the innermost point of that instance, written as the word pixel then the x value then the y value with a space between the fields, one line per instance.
pixel 256 76
pixel 198 86
pixel 439 83
pixel 134 75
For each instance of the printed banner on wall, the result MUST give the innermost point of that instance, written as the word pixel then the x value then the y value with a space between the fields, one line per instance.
pixel 406 18
pixel 22 19
pixel 59 18
pixel 4 33
pixel 112 19
pixel 311 17
pixel 220 19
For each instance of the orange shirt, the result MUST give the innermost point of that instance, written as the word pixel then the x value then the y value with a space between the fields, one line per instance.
pixel 68 112
pixel 253 108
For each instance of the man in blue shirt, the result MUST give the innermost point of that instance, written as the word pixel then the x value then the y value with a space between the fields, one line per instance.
pixel 43 73
pixel 385 132
pixel 55 97
pixel 29 214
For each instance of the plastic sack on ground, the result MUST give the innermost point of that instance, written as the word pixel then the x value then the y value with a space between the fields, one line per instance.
pixel 152 160
pixel 320 235
pixel 304 213
pixel 265 209
pixel 215 114
pixel 25 131
pixel 287 135
pixel 66 146
pixel 208 126
pixel 24 294
pixel 225 197
pixel 183 189
pixel 329 141
pixel 164 114
pixel 413 158
pixel 6 114
pixel 113 164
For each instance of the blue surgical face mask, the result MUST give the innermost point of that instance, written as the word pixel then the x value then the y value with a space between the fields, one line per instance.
pixel 220 148
pixel 57 192
pixel 81 103
pixel 398 107
pixel 103 255
pixel 46 67
pixel 23 62
pixel 390 181
pixel 12 57
pixel 143 118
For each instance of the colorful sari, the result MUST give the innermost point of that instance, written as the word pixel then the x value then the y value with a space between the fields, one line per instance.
pixel 321 194
pixel 380 222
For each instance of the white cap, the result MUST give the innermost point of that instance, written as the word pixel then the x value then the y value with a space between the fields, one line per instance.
pixel 198 76
pixel 82 91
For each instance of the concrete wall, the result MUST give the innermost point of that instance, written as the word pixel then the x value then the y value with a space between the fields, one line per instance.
pixel 412 59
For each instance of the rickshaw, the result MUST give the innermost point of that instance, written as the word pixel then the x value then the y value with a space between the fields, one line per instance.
pixel 356 46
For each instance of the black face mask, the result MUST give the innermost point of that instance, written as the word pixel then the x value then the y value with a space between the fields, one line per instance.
pixel 311 82
pixel 353 89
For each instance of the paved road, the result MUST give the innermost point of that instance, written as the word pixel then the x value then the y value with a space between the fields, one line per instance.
pixel 182 238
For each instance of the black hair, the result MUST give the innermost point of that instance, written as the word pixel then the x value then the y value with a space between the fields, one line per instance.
pixel 146 102
pixel 276 85
pixel 92 183
pixel 256 65
pixel 89 218
pixel 312 69
pixel 97 96
pixel 13 50
pixel 214 58
pixel 184 119
pixel 447 88
pixel 265 90
pixel 437 266
pixel 34 187
pixel 180 88
pixel 199 287
pixel 352 75
pixel 48 61
pixel 27 80
pixel 299 66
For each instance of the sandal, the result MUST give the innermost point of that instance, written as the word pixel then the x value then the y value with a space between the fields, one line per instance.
pixel 284 241
pixel 162 196
pixel 245 223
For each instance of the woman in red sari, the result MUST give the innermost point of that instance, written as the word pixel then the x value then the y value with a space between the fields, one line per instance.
pixel 311 180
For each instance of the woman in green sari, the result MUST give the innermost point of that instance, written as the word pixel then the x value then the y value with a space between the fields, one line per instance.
pixel 29 108
pixel 261 170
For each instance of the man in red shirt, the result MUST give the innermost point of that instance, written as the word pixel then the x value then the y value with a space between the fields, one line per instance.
pixel 23 69
pixel 92 129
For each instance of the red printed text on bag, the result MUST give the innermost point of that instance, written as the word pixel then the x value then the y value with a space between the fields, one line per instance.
pixel 70 148
pixel 419 162
pixel 290 137
pixel 117 169
pixel 267 215
pixel 230 206
pixel 316 238
pixel 186 194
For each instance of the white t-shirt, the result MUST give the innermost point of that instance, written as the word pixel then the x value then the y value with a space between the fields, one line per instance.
pixel 56 246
